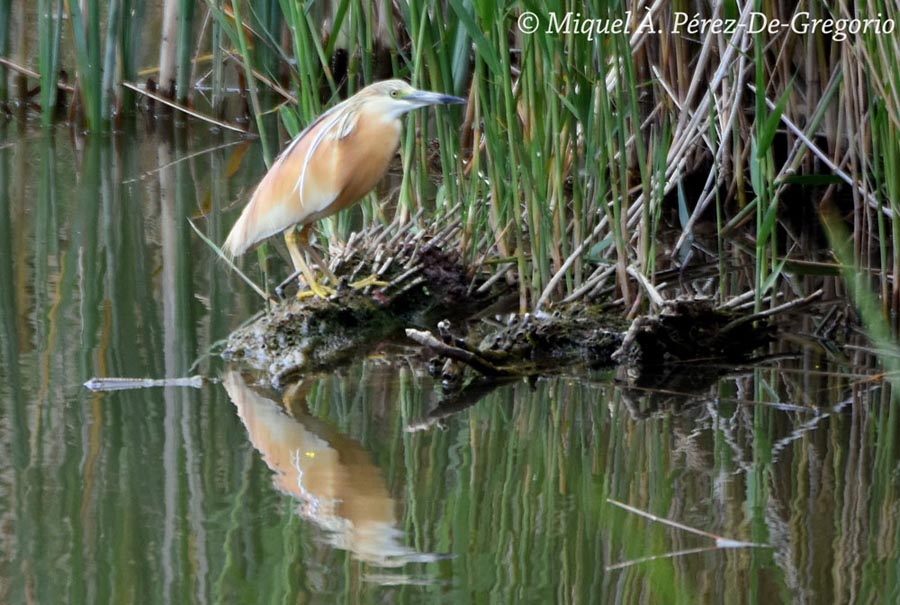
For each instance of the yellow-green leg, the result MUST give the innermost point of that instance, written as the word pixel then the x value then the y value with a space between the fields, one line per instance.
pixel 295 241
pixel 321 264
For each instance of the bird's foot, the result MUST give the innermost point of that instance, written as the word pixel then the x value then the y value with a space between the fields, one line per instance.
pixel 315 289
pixel 320 290
pixel 372 280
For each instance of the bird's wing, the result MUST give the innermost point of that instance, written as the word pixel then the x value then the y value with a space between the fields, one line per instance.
pixel 335 126
pixel 364 156
pixel 300 186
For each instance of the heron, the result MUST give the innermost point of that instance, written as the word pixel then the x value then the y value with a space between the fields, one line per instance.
pixel 331 165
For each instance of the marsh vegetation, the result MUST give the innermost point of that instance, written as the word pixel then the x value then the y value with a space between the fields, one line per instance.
pixel 626 170
pixel 584 164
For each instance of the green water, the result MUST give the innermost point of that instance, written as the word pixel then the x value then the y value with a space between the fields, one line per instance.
pixel 342 489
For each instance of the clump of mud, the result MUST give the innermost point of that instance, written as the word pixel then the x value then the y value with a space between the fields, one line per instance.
pixel 575 333
pixel 422 283
pixel 692 330
pixel 682 333
pixel 418 281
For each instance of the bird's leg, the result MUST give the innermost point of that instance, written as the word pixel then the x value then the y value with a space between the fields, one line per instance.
pixel 295 241
pixel 318 259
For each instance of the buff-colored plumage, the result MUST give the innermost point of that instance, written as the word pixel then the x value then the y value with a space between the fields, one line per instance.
pixel 337 160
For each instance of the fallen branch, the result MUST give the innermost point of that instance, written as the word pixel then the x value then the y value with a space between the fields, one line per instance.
pixel 477 362
pixel 793 304
pixel 124 384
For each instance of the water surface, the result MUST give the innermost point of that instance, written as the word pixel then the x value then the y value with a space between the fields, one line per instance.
pixel 349 486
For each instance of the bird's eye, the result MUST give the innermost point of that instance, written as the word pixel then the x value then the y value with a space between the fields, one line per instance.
pixel 393 94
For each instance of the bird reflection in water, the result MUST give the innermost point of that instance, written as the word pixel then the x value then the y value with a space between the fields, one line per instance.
pixel 339 489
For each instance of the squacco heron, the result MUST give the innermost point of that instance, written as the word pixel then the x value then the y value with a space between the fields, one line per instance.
pixel 329 166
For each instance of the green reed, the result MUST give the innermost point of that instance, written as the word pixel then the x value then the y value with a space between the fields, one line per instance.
pixel 217 78
pixel 870 308
pixel 183 83
pixel 49 34
pixel 881 53
pixel 240 38
pixel 86 32
pixel 5 14
pixel 132 16
pixel 574 149
pixel 109 91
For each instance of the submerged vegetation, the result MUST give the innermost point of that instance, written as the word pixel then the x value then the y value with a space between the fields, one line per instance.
pixel 596 157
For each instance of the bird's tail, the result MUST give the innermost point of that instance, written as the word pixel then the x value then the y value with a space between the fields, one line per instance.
pixel 236 242
pixel 245 232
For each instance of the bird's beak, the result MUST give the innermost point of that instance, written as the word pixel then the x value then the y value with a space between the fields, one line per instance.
pixel 422 98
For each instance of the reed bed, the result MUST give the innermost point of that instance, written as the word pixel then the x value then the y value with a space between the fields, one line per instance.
pixel 595 155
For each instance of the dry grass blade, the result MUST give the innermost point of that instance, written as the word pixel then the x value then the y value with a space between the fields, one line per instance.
pixel 221 254
pixel 821 155
pixel 186 110
pixel 32 74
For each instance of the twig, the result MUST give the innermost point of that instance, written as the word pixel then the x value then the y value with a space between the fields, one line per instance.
pixel 123 384
pixel 823 157
pixel 402 277
pixel 600 274
pixel 268 82
pixel 406 287
pixel 486 286
pixel 651 291
pixel 427 339
pixel 668 555
pixel 150 173
pixel 720 542
pixel 800 302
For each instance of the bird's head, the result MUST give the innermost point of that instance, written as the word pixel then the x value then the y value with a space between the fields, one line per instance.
pixel 394 98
